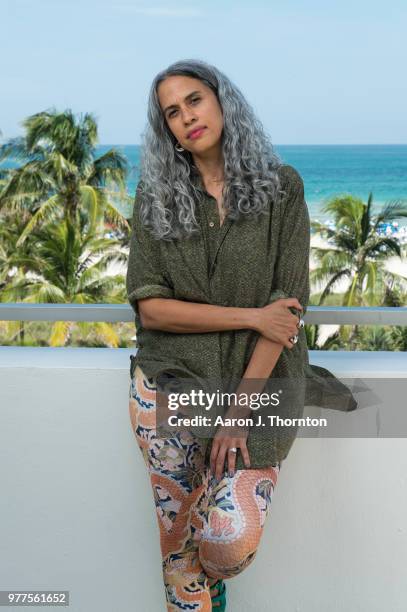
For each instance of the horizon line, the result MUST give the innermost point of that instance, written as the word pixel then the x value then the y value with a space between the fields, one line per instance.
pixel 288 144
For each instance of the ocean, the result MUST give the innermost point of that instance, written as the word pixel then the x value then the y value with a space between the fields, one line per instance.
pixel 327 170
pixel 330 170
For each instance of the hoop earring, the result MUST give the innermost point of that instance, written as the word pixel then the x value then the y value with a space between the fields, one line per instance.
pixel 179 148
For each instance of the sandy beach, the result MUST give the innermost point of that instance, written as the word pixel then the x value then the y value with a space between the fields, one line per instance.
pixel 393 264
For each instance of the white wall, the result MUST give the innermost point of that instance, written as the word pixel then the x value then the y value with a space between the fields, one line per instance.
pixel 77 512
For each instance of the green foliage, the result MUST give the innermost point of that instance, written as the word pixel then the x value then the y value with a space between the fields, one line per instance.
pixel 357 254
pixel 55 209
pixel 59 170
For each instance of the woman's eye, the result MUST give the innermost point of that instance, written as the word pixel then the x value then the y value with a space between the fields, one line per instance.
pixel 193 100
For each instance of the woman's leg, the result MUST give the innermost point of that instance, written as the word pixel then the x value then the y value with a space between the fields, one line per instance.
pixel 208 530
pixel 180 484
pixel 234 519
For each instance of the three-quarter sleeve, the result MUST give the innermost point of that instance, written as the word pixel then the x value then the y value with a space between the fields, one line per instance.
pixel 291 273
pixel 145 275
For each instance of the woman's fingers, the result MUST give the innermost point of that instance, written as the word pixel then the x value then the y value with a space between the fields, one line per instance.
pixel 279 322
pixel 231 461
pixel 245 455
pixel 221 452
pixel 217 458
pixel 293 302
pixel 232 456
pixel 293 330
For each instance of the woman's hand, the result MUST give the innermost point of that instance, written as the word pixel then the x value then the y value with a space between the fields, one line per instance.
pixel 228 437
pixel 276 322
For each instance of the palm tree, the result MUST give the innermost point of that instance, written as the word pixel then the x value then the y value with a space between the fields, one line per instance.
pixel 60 171
pixel 69 265
pixel 358 254
pixel 376 338
pixel 399 338
pixel 13 260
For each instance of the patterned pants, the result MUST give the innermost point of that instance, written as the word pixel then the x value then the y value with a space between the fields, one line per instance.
pixel 206 528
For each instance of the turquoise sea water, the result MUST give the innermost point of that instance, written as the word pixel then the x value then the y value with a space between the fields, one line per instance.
pixel 329 170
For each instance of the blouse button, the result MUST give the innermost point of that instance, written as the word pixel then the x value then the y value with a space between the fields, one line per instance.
pixel 211 224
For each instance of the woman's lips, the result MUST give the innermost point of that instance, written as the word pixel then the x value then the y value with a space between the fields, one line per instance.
pixel 197 134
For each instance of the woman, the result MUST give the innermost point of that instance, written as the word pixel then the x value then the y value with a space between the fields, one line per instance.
pixel 218 277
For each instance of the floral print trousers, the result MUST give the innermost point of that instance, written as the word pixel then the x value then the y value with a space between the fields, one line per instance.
pixel 207 528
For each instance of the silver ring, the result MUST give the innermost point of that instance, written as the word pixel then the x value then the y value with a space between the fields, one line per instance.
pixel 233 450
pixel 294 339
pixel 300 324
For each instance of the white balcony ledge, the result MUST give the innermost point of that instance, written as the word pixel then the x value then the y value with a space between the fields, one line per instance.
pixel 78 513
pixel 345 364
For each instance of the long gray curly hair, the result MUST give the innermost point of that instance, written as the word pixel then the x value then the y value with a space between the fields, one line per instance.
pixel 251 180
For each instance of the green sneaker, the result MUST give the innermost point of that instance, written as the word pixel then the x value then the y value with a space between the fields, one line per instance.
pixel 220 599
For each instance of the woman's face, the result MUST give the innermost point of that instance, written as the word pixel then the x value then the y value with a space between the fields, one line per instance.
pixel 187 104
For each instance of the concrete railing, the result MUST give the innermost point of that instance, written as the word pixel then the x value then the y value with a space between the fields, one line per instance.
pixel 114 313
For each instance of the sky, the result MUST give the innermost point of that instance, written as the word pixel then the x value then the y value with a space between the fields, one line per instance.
pixel 314 71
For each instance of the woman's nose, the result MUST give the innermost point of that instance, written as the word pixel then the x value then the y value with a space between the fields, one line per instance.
pixel 188 118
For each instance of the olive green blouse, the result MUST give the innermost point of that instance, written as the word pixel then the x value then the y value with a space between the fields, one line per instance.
pixel 248 263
